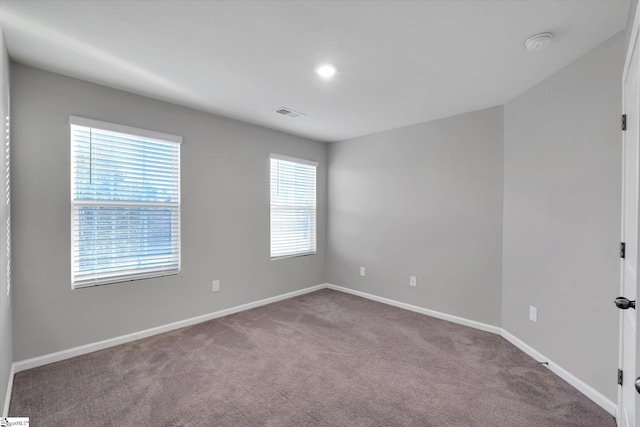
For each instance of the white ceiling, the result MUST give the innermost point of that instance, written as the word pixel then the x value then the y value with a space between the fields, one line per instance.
pixel 400 63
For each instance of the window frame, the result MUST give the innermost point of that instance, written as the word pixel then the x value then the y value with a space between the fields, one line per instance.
pixel 315 164
pixel 131 275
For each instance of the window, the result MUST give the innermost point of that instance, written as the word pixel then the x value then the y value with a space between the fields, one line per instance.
pixel 5 208
pixel 125 203
pixel 293 206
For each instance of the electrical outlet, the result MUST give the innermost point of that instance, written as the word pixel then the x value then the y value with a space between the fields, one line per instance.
pixel 215 286
pixel 412 281
pixel 362 271
pixel 533 314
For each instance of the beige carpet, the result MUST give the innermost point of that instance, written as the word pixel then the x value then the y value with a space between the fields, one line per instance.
pixel 322 359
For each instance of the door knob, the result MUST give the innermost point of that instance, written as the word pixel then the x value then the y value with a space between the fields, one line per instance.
pixel 623 303
pixel 637 383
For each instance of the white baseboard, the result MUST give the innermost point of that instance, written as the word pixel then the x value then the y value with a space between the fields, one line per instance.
pixel 111 342
pixel 7 399
pixel 577 383
pixel 581 386
pixel 100 345
pixel 421 310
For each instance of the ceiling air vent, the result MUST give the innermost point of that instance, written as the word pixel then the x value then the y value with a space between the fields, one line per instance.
pixel 288 112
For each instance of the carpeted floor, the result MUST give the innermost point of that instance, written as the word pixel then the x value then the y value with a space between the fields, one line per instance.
pixel 321 359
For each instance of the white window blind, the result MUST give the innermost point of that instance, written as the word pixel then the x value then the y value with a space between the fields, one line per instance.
pixel 5 211
pixel 125 189
pixel 293 206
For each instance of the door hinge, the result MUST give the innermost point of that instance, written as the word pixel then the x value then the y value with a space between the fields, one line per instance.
pixel 622 249
pixel 619 376
pixel 624 122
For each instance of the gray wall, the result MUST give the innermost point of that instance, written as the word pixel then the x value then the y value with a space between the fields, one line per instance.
pixel 423 200
pixel 562 187
pixel 633 5
pixel 225 216
pixel 6 341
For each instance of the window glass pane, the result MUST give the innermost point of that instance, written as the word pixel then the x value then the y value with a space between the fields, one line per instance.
pixel 293 208
pixel 126 206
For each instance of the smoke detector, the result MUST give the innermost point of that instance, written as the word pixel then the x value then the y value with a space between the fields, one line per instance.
pixel 538 42
pixel 288 112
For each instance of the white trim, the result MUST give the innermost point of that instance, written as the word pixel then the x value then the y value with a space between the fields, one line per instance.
pixel 574 381
pixel 129 130
pixel 34 362
pixel 633 40
pixel 296 255
pixel 455 319
pixel 293 159
pixel 7 399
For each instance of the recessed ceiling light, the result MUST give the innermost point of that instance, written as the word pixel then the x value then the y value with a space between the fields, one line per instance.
pixel 538 42
pixel 326 71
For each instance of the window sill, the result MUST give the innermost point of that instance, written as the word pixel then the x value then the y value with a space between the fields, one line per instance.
pixel 123 280
pixel 293 256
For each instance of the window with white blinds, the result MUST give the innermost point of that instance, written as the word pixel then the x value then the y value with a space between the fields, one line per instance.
pixel 5 211
pixel 125 213
pixel 293 206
